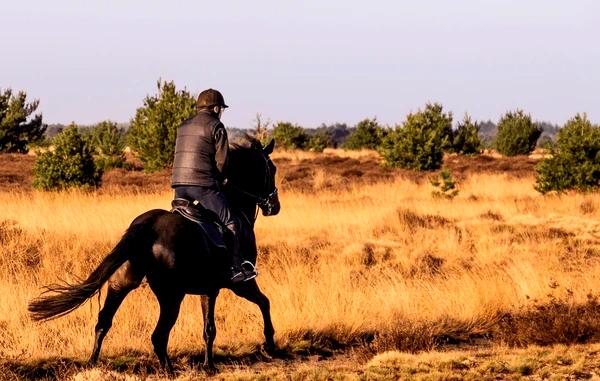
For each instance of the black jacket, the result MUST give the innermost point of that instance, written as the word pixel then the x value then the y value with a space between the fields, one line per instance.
pixel 200 152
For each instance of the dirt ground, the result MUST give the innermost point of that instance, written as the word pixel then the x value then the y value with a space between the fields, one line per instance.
pixel 559 362
pixel 307 174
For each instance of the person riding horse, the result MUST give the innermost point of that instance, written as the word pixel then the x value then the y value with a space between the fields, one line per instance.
pixel 199 171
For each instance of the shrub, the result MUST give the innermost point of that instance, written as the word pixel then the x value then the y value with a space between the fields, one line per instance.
pixel 517 134
pixel 444 185
pixel 465 139
pixel 318 141
pixel 18 129
pixel 71 164
pixel 154 128
pixel 575 161
pixel 290 136
pixel 419 143
pixel 367 135
pixel 108 142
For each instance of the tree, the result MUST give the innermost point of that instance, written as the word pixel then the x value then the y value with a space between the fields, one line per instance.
pixel 108 142
pixel 337 132
pixel 517 134
pixel 466 137
pixel 154 128
pixel 367 135
pixel 261 129
pixel 71 164
pixel 290 136
pixel 18 129
pixel 575 160
pixel 419 143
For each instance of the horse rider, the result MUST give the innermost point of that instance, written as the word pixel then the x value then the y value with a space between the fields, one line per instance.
pixel 199 170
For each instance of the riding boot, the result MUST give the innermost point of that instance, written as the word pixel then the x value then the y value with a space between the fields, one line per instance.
pixel 241 270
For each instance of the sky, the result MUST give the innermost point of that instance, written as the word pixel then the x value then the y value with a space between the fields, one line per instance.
pixel 308 62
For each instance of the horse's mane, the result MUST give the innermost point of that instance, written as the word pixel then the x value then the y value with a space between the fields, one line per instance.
pixel 245 142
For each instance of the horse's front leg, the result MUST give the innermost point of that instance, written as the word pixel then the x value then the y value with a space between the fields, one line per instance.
pixel 210 330
pixel 249 290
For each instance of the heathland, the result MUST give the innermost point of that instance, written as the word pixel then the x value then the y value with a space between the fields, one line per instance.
pixel 370 276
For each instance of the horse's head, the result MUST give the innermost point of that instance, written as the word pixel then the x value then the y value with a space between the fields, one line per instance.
pixel 252 175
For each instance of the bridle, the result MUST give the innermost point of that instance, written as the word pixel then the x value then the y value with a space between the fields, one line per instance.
pixel 264 202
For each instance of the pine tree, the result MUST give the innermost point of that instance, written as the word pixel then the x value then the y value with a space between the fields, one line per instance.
pixel 108 142
pixel 465 139
pixel 575 159
pixel 419 143
pixel 367 135
pixel 18 128
pixel 154 128
pixel 517 134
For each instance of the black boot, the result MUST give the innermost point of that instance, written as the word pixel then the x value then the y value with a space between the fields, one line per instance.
pixel 241 271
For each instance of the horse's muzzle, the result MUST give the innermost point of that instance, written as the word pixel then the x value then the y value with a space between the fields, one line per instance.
pixel 270 206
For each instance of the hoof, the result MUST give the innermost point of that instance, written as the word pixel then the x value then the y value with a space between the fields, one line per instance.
pixel 210 370
pixel 269 349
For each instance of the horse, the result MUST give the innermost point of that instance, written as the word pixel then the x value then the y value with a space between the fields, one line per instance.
pixel 177 258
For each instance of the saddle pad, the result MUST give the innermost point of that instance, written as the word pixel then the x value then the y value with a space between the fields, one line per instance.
pixel 213 231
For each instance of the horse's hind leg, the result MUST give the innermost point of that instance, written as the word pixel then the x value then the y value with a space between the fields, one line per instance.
pixel 210 330
pixel 250 291
pixel 169 310
pixel 120 284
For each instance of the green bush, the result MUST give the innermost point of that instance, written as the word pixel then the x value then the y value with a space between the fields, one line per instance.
pixel 71 164
pixel 290 136
pixel 517 134
pixel 17 130
pixel 108 142
pixel 575 160
pixel 465 139
pixel 154 128
pixel 444 185
pixel 367 135
pixel 419 143
pixel 318 141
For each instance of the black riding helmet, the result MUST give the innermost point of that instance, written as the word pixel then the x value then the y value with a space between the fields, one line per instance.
pixel 210 98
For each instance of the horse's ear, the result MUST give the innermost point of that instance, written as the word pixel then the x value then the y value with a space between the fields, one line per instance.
pixel 269 148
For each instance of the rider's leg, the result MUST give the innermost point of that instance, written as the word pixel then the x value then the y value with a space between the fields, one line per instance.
pixel 239 272
pixel 215 201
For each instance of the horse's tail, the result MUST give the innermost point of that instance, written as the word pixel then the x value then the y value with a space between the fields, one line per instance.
pixel 67 297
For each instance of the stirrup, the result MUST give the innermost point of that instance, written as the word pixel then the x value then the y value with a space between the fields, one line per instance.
pixel 249 270
pixel 246 272
pixel 238 277
pixel 248 266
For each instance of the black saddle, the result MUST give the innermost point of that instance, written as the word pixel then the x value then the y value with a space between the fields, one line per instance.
pixel 210 224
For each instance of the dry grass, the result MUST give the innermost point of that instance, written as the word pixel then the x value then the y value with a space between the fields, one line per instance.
pixel 378 265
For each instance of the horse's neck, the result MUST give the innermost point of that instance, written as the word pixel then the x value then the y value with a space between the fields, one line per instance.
pixel 246 212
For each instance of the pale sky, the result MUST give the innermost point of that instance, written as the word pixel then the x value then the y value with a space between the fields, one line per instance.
pixel 307 62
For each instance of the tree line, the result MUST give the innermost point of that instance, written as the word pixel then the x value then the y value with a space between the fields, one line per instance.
pixel 80 155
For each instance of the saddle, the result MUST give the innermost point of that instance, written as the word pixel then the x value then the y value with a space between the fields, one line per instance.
pixel 208 222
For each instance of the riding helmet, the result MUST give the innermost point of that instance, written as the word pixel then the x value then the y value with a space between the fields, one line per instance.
pixel 210 98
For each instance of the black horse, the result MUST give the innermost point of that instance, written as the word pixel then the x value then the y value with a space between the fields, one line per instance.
pixel 176 258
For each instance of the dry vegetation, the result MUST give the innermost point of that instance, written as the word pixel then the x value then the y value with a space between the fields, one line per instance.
pixel 361 261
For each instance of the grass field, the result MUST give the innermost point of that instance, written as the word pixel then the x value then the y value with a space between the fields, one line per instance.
pixel 357 269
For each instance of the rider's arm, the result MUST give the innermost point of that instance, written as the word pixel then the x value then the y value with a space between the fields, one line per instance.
pixel 221 149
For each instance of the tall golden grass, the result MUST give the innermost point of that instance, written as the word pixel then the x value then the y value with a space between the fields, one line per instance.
pixel 376 261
